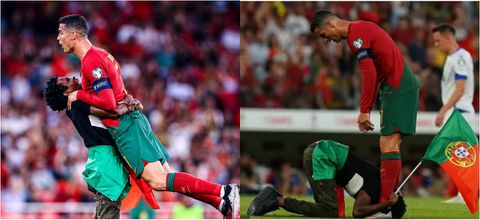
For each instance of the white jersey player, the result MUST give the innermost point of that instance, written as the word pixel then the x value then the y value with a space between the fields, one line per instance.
pixel 457 78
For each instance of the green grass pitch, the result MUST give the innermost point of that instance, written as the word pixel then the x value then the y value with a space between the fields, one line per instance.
pixel 416 208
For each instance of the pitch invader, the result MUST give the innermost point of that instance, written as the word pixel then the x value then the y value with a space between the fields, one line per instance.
pixel 329 164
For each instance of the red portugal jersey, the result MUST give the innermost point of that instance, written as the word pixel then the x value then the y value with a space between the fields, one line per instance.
pixel 380 59
pixel 102 84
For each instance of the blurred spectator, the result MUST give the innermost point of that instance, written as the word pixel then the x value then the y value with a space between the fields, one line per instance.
pixel 283 66
pixel 142 211
pixel 186 209
pixel 180 59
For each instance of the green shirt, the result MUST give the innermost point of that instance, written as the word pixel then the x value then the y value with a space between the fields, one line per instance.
pixel 328 157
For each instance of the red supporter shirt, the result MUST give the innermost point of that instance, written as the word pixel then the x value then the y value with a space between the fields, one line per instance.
pixel 102 84
pixel 380 60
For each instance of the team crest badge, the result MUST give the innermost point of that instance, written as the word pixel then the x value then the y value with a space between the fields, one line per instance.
pixel 461 153
pixel 358 43
pixel 97 73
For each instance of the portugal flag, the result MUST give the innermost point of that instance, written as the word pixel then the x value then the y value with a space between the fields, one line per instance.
pixel 455 149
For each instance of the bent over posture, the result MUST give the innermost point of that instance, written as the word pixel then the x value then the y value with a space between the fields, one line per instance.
pixel 383 68
pixel 328 164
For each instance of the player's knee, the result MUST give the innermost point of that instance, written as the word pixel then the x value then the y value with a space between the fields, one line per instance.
pixel 158 185
pixel 390 143
pixel 155 176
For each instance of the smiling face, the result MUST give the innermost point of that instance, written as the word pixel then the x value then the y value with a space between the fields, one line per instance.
pixel 66 38
pixel 72 84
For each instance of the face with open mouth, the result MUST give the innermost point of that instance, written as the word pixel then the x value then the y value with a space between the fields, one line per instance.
pixel 64 39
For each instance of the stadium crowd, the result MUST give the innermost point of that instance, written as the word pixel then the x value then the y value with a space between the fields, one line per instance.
pixel 180 60
pixel 288 68
pixel 284 66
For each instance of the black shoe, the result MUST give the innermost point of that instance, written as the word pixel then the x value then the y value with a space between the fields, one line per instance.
pixel 264 202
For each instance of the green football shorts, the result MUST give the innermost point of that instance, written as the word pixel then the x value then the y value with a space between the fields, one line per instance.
pixel 398 111
pixel 137 142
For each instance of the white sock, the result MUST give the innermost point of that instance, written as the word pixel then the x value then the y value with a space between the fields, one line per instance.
pixel 221 205
pixel 222 191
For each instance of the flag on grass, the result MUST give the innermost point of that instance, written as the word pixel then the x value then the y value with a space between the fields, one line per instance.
pixel 455 149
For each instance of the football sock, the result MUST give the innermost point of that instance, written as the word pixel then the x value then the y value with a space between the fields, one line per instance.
pixel 188 184
pixel 212 200
pixel 389 172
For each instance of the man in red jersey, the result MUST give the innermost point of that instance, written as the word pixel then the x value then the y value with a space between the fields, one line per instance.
pixel 383 68
pixel 102 87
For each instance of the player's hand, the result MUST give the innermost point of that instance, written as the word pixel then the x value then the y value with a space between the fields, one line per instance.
pixel 138 105
pixel 120 110
pixel 364 123
pixel 439 118
pixel 392 200
pixel 128 100
pixel 72 97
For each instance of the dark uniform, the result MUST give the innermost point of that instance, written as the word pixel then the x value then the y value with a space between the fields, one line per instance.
pixel 104 171
pixel 349 171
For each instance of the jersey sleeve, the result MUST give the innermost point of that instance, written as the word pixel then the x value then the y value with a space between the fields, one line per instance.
pixel 460 68
pixel 360 45
pixel 81 106
pixel 102 95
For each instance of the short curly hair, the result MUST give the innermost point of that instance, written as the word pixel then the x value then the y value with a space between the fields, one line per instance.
pixel 53 95
pixel 399 209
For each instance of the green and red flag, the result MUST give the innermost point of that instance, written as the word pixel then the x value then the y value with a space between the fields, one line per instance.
pixel 455 149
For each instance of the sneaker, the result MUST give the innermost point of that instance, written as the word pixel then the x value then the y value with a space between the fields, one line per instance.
pixel 236 201
pixel 264 202
pixel 232 196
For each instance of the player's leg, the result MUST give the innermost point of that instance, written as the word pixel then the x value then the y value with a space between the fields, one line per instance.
pixel 137 143
pixel 391 164
pixel 398 116
pixel 161 180
pixel 324 193
pixel 222 205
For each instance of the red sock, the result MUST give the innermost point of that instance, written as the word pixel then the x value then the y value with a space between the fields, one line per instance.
pixel 206 198
pixel 341 202
pixel 188 184
pixel 390 172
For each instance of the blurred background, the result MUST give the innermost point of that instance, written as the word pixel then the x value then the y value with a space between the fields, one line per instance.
pixel 295 89
pixel 180 60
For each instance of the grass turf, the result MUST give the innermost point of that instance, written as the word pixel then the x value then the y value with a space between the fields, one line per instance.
pixel 416 208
